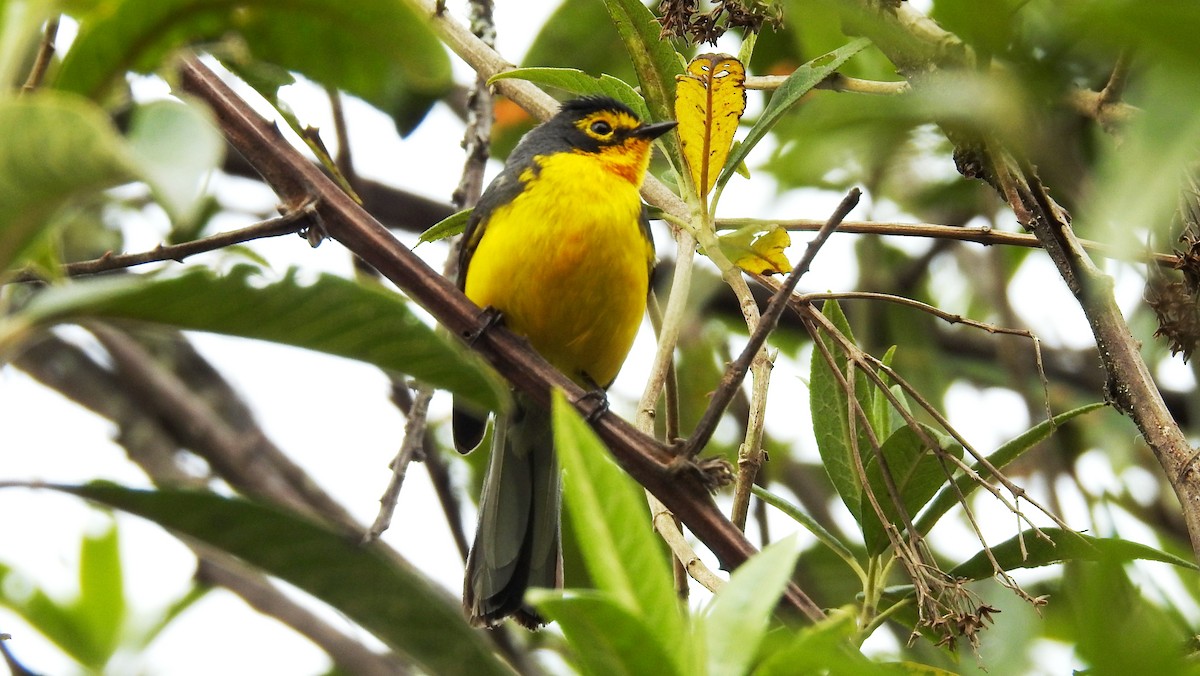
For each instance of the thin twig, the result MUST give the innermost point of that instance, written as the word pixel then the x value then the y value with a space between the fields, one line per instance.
pixel 292 222
pixel 414 436
pixel 948 317
pixel 344 161
pixel 981 235
pixel 835 82
pixel 44 54
pixel 1114 89
pixel 737 370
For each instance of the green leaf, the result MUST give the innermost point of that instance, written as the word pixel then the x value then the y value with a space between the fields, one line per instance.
pixel 740 613
pixel 799 83
pixel 56 621
pixel 830 413
pixel 408 612
pixel 330 314
pixel 916 472
pixel 608 637
pixel 881 413
pixel 1062 545
pixel 580 34
pixel 948 497
pixel 66 148
pixel 612 524
pixel 824 648
pixel 654 60
pixel 100 607
pixel 176 147
pixel 579 82
pixel 380 50
pixel 452 225
pixel 810 524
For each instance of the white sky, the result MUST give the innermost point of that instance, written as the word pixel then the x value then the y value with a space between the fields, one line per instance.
pixel 348 445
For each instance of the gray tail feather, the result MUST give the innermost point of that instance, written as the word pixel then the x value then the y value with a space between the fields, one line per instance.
pixel 517 541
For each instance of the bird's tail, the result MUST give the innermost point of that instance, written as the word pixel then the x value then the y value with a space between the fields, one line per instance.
pixel 517 541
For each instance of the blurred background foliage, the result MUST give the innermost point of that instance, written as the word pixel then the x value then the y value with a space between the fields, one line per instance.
pixel 1100 95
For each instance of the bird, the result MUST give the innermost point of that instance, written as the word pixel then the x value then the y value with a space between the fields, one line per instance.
pixel 559 248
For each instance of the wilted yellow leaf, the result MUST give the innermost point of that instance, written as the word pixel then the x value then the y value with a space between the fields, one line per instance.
pixel 709 101
pixel 758 250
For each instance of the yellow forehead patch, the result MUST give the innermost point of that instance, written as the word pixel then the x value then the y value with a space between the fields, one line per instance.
pixel 616 120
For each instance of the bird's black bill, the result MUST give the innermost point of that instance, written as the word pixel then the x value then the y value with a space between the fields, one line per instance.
pixel 655 130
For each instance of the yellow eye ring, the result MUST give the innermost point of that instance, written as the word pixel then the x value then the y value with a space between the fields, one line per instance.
pixel 601 128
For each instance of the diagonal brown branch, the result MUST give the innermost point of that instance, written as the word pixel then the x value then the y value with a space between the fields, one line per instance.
pixel 297 181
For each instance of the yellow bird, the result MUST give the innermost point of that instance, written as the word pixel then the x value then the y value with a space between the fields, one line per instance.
pixel 560 246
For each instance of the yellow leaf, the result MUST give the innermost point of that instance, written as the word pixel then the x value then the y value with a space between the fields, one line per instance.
pixel 709 101
pixel 758 250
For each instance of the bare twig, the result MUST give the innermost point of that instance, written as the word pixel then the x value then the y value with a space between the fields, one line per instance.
pixel 981 235
pixel 1114 89
pixel 42 61
pixel 414 437
pixel 292 222
pixel 835 82
pixel 737 370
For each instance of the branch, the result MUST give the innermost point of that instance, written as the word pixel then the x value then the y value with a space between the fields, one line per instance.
pixel 981 235
pixel 835 82
pixel 287 224
pixel 297 181
pixel 770 319
pixel 44 54
pixel 1132 388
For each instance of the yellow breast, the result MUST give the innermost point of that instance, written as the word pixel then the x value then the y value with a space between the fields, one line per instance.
pixel 567 264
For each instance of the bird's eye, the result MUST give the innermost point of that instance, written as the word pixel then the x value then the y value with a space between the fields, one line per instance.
pixel 601 128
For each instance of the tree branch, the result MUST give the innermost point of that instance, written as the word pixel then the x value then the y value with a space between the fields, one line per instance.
pixel 1130 384
pixel 297 181
pixel 981 235
pixel 287 224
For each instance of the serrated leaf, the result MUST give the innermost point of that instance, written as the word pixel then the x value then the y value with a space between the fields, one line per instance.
pixel 611 639
pixel 330 314
pixel 612 524
pixel 579 82
pixel 176 147
pixel 799 83
pixel 916 472
pixel 740 612
pixel 454 224
pixel 948 497
pixel 380 50
pixel 408 612
pixel 710 99
pixel 758 250
pixel 66 148
pixel 1061 545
